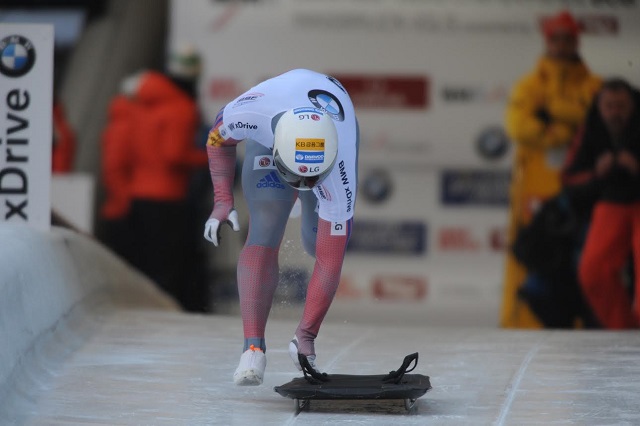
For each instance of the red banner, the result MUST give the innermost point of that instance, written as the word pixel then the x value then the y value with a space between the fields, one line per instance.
pixel 383 91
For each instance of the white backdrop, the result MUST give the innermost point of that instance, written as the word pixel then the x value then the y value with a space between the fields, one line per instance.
pixel 427 78
pixel 479 46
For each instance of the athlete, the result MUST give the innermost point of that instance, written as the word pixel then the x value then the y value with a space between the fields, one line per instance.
pixel 302 139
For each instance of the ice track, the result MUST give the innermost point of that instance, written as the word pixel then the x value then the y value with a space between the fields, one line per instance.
pixel 109 360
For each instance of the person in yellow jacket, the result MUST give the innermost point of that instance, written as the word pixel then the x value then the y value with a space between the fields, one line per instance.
pixel 545 108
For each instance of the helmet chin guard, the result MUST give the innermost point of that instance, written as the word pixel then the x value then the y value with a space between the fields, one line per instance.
pixel 305 147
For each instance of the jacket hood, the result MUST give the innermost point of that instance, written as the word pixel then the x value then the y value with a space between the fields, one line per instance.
pixel 120 106
pixel 155 87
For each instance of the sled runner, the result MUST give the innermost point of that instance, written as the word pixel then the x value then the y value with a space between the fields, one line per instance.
pixel 395 385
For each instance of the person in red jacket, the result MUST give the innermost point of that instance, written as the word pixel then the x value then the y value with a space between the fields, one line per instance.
pixel 64 141
pixel 606 155
pixel 116 175
pixel 163 155
pixel 163 139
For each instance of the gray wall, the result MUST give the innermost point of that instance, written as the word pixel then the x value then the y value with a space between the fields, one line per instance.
pixel 130 36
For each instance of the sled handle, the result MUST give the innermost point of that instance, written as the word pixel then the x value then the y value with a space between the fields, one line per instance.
pixel 310 374
pixel 396 376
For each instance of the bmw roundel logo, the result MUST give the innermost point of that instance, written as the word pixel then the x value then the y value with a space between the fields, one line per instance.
pixel 328 103
pixel 377 186
pixel 17 56
pixel 492 143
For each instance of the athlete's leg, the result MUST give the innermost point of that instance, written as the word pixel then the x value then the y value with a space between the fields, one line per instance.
pixel 331 240
pixel 269 202
pixel 330 250
pixel 309 221
pixel 605 252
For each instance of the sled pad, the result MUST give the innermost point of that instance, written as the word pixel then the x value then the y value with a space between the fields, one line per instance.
pixel 395 385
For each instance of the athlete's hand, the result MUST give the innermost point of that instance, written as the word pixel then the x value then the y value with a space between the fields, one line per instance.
pixel 212 226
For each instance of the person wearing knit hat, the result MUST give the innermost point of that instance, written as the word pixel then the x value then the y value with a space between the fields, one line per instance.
pixel 561 34
pixel 150 157
pixel 544 111
pixel 563 22
pixel 184 66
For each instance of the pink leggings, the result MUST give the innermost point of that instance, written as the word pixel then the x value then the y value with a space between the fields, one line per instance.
pixel 270 202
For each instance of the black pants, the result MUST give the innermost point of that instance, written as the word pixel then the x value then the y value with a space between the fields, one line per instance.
pixel 162 248
pixel 116 234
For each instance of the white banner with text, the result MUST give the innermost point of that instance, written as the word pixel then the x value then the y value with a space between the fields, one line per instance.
pixel 26 99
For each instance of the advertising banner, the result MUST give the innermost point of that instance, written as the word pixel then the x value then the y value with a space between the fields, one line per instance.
pixel 429 78
pixel 26 79
pixel 430 81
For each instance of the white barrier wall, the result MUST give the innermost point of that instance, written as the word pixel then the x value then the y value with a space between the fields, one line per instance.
pixel 48 277
pixel 72 197
pixel 430 81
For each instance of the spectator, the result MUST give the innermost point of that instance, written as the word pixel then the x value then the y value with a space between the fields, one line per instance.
pixel 545 108
pixel 184 69
pixel 64 141
pixel 163 155
pixel 116 176
pixel 607 157
pixel 63 151
pixel 549 247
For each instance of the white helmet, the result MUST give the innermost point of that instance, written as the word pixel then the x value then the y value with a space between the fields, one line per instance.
pixel 305 147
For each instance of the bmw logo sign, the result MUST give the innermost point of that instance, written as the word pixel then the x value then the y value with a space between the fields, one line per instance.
pixel 492 143
pixel 377 186
pixel 328 103
pixel 17 56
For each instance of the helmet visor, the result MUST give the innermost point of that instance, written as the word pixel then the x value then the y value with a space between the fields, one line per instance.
pixel 301 183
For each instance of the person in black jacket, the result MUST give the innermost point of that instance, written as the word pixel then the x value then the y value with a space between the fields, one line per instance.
pixel 606 156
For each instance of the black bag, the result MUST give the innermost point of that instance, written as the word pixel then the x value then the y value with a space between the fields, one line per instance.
pixel 549 247
pixel 547 244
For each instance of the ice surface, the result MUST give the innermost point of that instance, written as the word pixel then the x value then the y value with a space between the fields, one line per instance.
pixel 141 367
